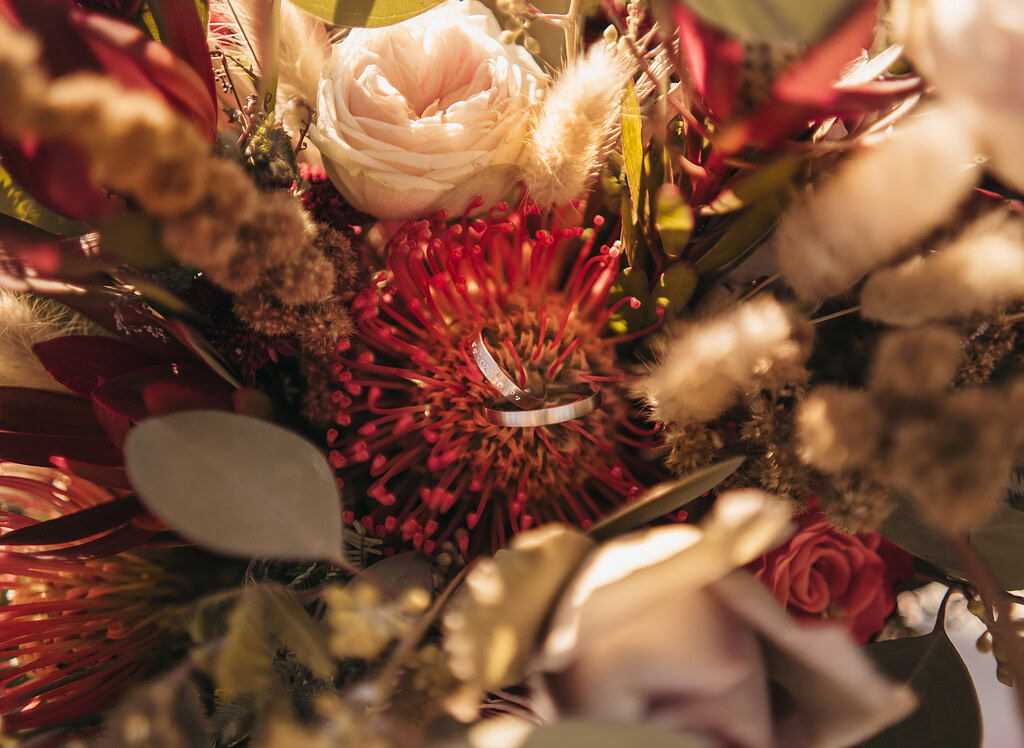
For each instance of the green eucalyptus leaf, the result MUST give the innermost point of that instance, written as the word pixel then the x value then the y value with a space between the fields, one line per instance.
pixel 403 572
pixel 948 713
pixel 237 485
pixel 630 282
pixel 633 145
pixel 674 288
pixel 365 13
pixel 998 542
pixel 136 240
pixel 664 498
pixel 745 235
pixel 805 21
pixel 749 189
pixel 673 219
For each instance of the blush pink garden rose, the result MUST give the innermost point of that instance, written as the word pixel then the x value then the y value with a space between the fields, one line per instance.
pixel 427 114
pixel 823 574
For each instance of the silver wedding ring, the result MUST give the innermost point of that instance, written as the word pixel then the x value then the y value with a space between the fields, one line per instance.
pixel 544 416
pixel 497 377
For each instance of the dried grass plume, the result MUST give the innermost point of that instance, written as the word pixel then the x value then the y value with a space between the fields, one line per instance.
pixel 704 365
pixel 878 203
pixel 577 120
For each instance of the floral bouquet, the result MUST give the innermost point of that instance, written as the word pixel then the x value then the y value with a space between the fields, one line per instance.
pixel 427 372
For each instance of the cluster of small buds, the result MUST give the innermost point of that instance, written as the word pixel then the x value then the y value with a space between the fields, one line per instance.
pixel 214 217
pixel 363 625
pixel 951 451
pixel 518 17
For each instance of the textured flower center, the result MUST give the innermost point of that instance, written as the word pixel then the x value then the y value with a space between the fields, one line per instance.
pixel 415 403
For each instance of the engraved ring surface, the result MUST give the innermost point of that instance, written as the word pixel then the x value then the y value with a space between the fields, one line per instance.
pixel 497 376
pixel 544 416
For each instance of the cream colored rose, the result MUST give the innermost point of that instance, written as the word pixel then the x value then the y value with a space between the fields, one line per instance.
pixel 426 114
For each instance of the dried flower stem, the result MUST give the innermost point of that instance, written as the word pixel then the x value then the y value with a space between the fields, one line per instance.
pixel 993 598
pixel 383 684
pixel 841 313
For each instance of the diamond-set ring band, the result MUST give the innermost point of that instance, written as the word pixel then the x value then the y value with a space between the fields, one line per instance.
pixel 532 409
pixel 496 376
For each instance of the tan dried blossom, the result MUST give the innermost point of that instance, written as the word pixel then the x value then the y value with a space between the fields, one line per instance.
pixel 22 83
pixel 954 460
pixel 323 325
pixel 876 205
pixel 856 503
pixel 207 235
pixel 838 429
pixel 318 404
pixel 985 349
pixel 691 446
pixel 704 365
pixel 575 123
pixel 916 363
pixel 261 310
pixel 327 262
pixel 978 271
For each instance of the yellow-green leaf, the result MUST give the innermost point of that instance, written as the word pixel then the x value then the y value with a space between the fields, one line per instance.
pixel 752 188
pixel 673 219
pixel 745 235
pixel 630 282
pixel 633 144
pixel 627 234
pixel 675 287
pixel 135 239
pixel 365 13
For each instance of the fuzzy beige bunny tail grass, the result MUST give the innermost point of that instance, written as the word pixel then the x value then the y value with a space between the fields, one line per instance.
pixel 304 50
pixel 978 271
pixel 24 321
pixel 578 118
pixel 704 365
pixel 876 205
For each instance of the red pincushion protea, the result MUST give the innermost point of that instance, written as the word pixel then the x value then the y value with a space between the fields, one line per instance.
pixel 413 430
pixel 79 625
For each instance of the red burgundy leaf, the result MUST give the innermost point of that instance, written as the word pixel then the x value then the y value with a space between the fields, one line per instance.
pixel 161 389
pixel 108 476
pixel 114 424
pixel 29 411
pixel 187 39
pixel 72 527
pixel 83 362
pixel 32 449
pixel 713 58
pixel 122 539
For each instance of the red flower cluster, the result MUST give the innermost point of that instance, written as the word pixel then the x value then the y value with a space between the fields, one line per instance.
pixel 821 573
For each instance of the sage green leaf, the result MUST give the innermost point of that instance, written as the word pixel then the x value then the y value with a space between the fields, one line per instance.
pixel 267 617
pixel 403 572
pixel 998 542
pixel 664 498
pixel 673 219
pixel 948 713
pixel 135 239
pixel 805 21
pixel 633 145
pixel 365 13
pixel 630 282
pixel 595 734
pixel 674 288
pixel 745 235
pixel 749 189
pixel 237 485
